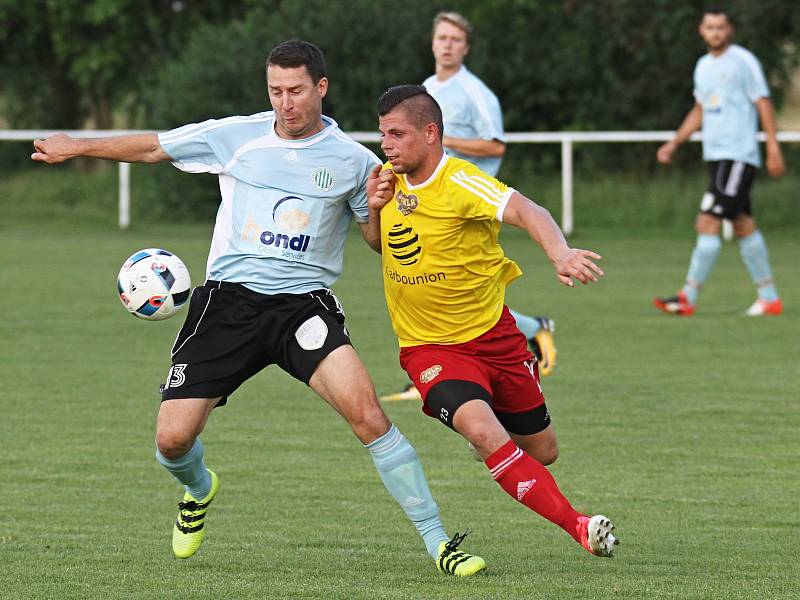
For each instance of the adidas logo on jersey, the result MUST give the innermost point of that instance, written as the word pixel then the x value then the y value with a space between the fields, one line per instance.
pixel 291 155
pixel 523 487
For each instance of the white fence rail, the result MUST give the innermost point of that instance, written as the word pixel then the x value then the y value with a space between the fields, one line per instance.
pixel 567 139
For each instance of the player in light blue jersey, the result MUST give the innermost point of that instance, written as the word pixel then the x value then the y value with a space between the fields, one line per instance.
pixel 286 204
pixel 473 131
pixel 290 182
pixel 473 121
pixel 731 95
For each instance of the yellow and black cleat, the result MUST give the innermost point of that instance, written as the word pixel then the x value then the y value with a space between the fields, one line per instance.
pixel 188 532
pixel 543 346
pixel 410 392
pixel 456 562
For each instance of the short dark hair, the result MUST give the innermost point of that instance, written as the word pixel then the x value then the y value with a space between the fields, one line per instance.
pixel 419 105
pixel 715 9
pixel 297 53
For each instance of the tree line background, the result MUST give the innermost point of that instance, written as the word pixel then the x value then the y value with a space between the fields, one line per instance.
pixel 554 64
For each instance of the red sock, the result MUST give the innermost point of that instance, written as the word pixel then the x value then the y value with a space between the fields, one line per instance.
pixel 528 481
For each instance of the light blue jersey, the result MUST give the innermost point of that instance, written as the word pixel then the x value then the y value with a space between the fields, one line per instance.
pixel 727 87
pixel 469 110
pixel 286 204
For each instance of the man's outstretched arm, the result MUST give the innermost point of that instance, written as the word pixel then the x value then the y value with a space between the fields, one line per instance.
pixel 537 221
pixel 142 147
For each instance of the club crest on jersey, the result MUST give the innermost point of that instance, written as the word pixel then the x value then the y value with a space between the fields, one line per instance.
pixel 430 374
pixel 323 178
pixel 406 204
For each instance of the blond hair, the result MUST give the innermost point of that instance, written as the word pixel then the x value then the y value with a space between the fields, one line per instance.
pixel 454 19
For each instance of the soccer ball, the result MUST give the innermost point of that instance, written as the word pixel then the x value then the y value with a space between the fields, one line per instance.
pixel 153 284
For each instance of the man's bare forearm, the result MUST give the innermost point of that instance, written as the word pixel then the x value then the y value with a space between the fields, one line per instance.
pixel 142 148
pixel 475 146
pixel 691 123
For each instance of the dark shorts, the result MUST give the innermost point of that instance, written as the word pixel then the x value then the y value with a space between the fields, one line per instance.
pixel 232 332
pixel 729 185
pixel 497 362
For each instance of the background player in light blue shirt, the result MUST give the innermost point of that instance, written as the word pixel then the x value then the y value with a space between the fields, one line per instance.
pixel 731 94
pixel 473 121
pixel 290 181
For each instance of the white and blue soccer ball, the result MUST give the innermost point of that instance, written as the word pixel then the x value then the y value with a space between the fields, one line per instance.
pixel 153 284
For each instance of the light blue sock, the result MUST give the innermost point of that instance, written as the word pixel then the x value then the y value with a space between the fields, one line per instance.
pixel 753 249
pixel 529 326
pixel 704 256
pixel 401 473
pixel 190 470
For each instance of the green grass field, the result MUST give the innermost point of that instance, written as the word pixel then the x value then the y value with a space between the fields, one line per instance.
pixel 685 432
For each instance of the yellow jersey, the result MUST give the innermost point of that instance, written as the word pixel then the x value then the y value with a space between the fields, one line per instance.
pixel 444 272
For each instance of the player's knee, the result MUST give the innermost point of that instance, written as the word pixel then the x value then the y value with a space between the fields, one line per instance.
pixel 548 455
pixel 368 421
pixel 707 225
pixel 543 450
pixel 173 443
pixel 743 228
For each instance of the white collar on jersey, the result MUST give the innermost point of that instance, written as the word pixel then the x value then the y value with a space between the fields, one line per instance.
pixel 440 83
pixel 438 168
pixel 329 125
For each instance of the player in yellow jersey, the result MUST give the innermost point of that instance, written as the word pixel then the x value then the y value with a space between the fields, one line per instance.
pixel 445 276
pixel 473 124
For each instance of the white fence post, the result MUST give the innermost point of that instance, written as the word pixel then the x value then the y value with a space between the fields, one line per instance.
pixel 124 195
pixel 567 223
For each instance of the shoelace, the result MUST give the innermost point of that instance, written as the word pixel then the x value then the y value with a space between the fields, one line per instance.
pixel 188 515
pixel 193 505
pixel 189 506
pixel 451 557
pixel 453 544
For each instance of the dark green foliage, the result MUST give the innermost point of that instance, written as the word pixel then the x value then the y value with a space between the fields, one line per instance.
pixel 68 60
pixel 606 65
pixel 555 65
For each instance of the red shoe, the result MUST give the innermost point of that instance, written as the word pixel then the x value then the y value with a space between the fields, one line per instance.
pixel 762 307
pixel 675 305
pixel 596 535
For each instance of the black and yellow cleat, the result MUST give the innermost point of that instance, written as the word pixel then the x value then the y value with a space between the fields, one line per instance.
pixel 456 562
pixel 410 392
pixel 188 532
pixel 543 346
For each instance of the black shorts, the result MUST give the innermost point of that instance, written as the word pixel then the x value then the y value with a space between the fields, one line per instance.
pixel 729 185
pixel 232 332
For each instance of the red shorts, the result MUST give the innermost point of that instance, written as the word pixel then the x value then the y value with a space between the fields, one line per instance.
pixel 499 361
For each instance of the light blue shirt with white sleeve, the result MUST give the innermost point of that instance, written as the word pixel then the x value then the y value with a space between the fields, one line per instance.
pixel 286 204
pixel 469 110
pixel 727 87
